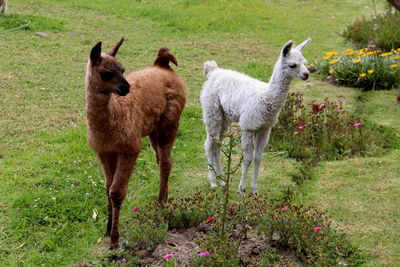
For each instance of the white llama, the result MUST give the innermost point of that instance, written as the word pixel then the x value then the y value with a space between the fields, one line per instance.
pixel 229 96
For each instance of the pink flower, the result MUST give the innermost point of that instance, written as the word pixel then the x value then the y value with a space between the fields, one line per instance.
pixel 297 100
pixel 169 255
pixel 135 209
pixel 338 111
pixel 301 127
pixel 204 254
pixel 341 101
pixel 318 228
pixel 356 30
pixel 212 218
pixel 284 208
pixel 357 124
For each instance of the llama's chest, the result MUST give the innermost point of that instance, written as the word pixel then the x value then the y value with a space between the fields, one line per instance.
pixel 110 138
pixel 259 115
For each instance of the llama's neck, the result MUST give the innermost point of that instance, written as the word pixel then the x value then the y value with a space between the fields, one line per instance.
pixel 97 107
pixel 279 83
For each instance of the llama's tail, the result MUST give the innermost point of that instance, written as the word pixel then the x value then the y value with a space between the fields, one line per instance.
pixel 209 66
pixel 164 57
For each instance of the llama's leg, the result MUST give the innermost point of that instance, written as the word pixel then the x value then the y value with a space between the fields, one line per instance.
pixel 260 140
pixel 153 141
pixel 165 170
pixel 217 150
pixel 109 164
pixel 211 148
pixel 118 191
pixel 214 120
pixel 247 147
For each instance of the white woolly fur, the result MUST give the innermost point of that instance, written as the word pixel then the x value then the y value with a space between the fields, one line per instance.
pixel 229 96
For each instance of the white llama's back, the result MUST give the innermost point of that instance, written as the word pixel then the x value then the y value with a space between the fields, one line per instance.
pixel 234 91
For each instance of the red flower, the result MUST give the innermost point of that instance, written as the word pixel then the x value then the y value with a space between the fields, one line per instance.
pixel 356 30
pixel 212 218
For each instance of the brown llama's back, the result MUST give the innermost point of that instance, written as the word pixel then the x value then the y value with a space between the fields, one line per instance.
pixel 156 94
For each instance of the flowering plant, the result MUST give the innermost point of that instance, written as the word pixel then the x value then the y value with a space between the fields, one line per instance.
pixel 384 30
pixel 312 131
pixel 365 68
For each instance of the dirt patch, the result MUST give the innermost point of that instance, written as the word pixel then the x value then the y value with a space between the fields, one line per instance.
pixel 182 244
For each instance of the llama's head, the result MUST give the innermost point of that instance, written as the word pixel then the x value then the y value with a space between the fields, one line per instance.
pixel 293 62
pixel 107 72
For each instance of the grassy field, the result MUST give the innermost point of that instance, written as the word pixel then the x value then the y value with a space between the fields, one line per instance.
pixel 50 182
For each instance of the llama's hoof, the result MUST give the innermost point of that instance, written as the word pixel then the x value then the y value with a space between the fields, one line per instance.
pixel 241 191
pixel 255 193
pixel 114 246
pixel 222 183
pixel 213 185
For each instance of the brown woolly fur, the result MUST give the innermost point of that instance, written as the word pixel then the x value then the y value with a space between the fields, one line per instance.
pixel 120 111
pixel 164 57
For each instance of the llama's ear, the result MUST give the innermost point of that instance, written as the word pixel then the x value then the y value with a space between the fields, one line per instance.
pixel 286 48
pixel 114 51
pixel 301 46
pixel 95 54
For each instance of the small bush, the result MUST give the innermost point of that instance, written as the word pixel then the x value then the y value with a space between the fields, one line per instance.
pixel 309 233
pixel 326 131
pixel 384 30
pixel 369 70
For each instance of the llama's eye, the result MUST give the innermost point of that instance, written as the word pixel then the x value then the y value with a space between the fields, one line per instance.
pixel 106 75
pixel 292 66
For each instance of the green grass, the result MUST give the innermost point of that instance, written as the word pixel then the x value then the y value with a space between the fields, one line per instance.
pixel 42 120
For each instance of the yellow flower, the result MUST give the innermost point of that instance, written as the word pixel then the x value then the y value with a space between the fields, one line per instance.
pixel 331 71
pixel 393 66
pixel 372 53
pixel 362 75
pixel 331 54
pixel 370 71
pixel 350 53
pixel 327 58
pixel 334 61
pixel 356 60
pixel 386 54
pixel 398 57
pixel 349 50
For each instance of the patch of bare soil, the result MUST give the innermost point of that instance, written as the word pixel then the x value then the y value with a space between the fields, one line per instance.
pixel 182 244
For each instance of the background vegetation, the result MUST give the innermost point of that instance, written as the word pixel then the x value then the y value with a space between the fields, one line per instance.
pixel 52 200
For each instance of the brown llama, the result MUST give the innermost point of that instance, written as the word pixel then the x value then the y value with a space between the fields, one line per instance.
pixel 120 111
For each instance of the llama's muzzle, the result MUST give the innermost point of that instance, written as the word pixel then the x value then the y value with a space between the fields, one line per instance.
pixel 305 76
pixel 122 90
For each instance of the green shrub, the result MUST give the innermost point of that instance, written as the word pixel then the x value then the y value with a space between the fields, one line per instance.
pixel 308 232
pixel 369 70
pixel 326 131
pixel 384 30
